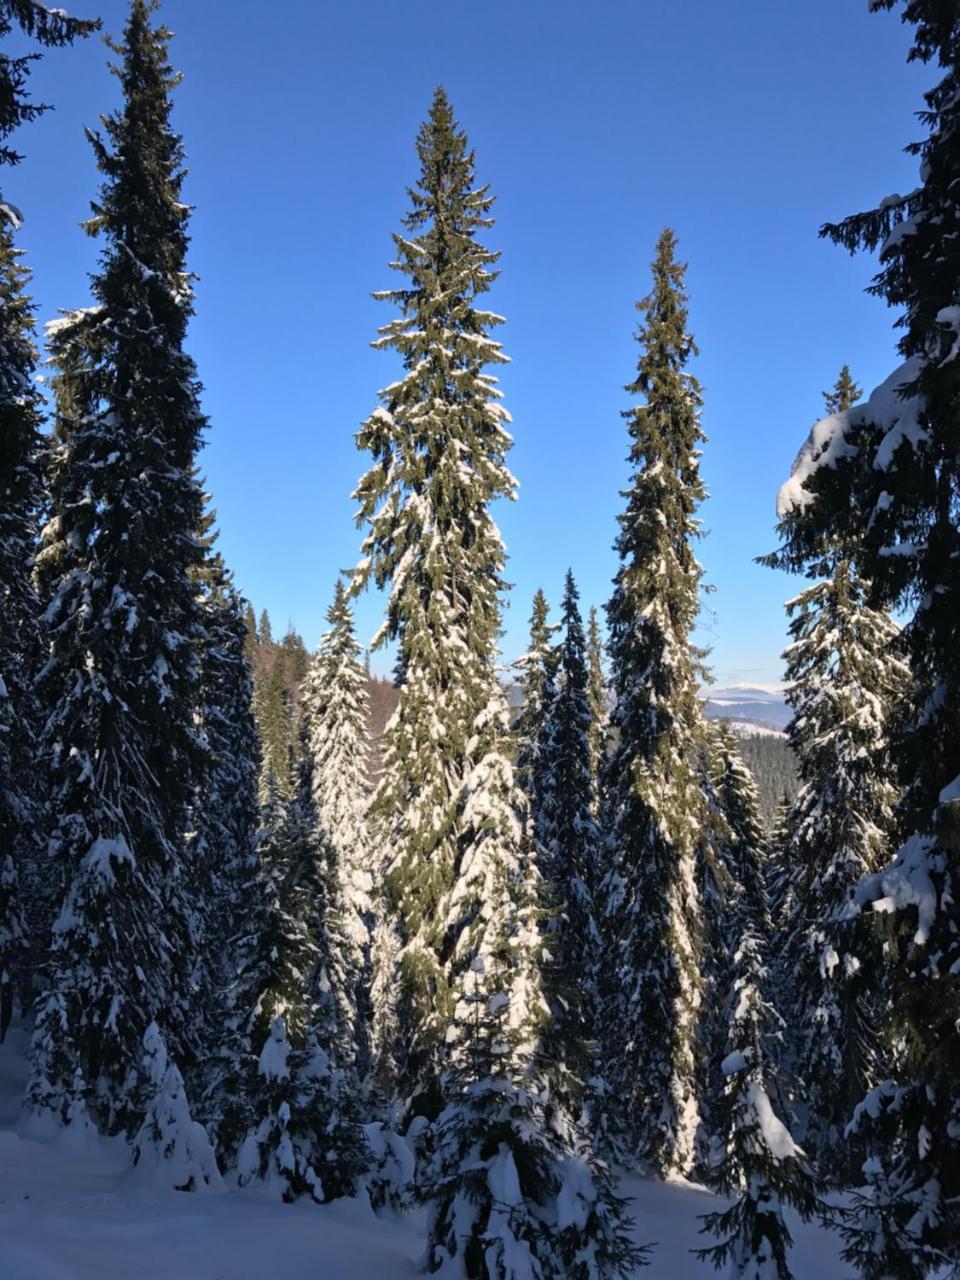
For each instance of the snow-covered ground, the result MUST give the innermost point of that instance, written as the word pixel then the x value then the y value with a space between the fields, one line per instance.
pixel 73 1213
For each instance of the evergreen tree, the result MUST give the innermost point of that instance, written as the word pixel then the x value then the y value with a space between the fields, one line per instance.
pixel 734 897
pixel 170 1149
pixel 287 1113
pixel 276 729
pixel 567 841
pixel 515 1190
pixel 778 876
pixel 23 917
pixel 538 668
pixel 438 445
pixel 49 27
pixel 250 623
pixel 597 692
pixel 308 1142
pixel 264 630
pixel 336 743
pixel 121 679
pixel 226 810
pixel 884 477
pixel 654 807
pixel 844 682
pixel 294 656
pixel 460 879
pixel 757 1157
pixel 20 819
pixel 844 394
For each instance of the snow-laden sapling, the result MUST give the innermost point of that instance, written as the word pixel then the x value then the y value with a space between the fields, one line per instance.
pixel 515 1193
pixel 308 1143
pixel 754 1155
pixel 170 1148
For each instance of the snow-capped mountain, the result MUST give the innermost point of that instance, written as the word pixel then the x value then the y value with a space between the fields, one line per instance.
pixel 758 704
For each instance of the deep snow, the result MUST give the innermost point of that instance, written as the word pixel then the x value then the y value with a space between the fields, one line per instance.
pixel 73 1212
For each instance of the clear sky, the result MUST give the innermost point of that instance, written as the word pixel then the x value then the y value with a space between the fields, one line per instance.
pixel 743 125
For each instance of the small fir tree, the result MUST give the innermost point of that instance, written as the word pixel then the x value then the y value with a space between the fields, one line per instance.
pixel 567 847
pixel 757 1156
pixel 734 896
pixel 276 728
pixel 170 1150
pixel 337 748
pixel 537 686
pixel 288 1113
pixel 845 683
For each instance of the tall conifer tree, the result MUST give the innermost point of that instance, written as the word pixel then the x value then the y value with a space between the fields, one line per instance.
pixel 116 564
pixel 438 445
pixel 885 476
pixel 23 914
pixel 460 878
pixel 19 627
pixel 654 808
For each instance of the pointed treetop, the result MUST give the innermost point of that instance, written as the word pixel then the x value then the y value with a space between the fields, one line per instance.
pixel 845 394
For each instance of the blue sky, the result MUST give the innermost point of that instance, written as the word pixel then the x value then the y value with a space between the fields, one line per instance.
pixel 743 125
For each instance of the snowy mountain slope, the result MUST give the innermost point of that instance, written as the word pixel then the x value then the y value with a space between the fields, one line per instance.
pixel 72 1213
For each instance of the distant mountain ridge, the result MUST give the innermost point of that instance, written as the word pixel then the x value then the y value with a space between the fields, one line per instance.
pixel 762 705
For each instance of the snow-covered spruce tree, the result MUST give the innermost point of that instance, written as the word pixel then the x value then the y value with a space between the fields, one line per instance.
pixel 597 692
pixel 307 1141
pixel 226 814
pixel 21 884
pixel 566 849
pixel 733 896
pixel 777 876
pixel 885 477
pixel 514 1188
pixel 538 672
pixel 302 1114
pixel 845 681
pixel 171 1149
pixel 653 804
pixel 122 618
pixel 50 27
pixel 755 1156
pixel 438 446
pixel 336 754
pixel 877 1224
pixel 460 878
pixel 24 902
pixel 745 850
pixel 273 716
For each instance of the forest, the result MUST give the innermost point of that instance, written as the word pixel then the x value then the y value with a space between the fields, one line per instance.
pixel 481 962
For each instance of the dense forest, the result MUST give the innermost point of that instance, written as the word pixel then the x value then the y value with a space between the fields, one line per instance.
pixel 271 924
